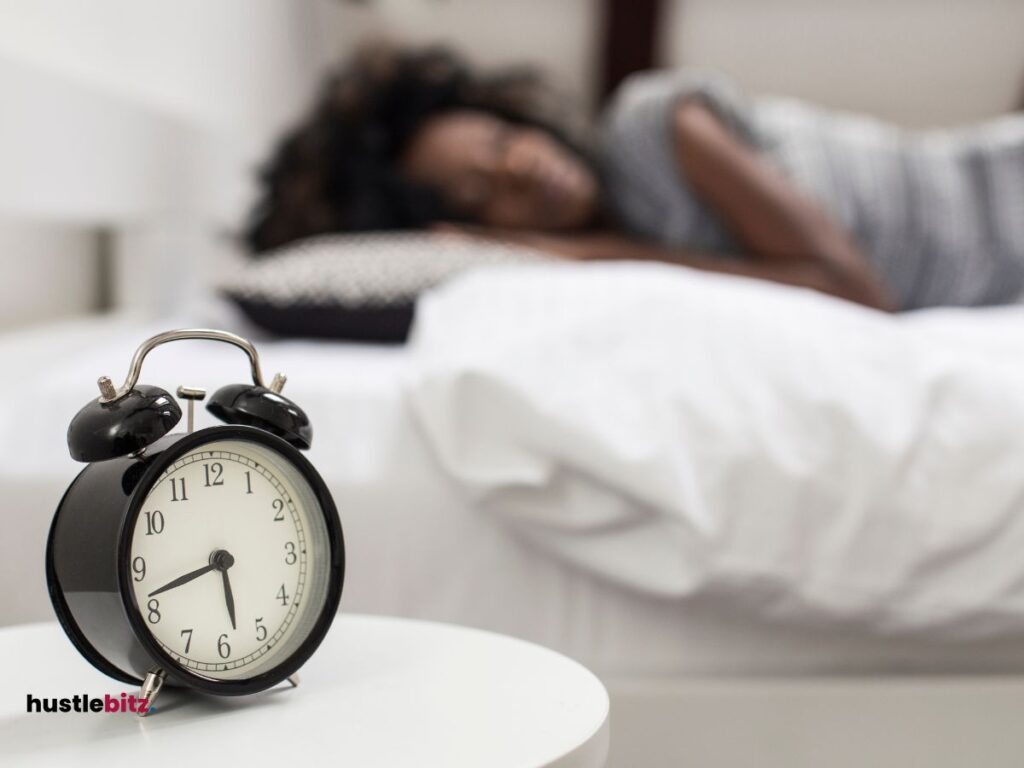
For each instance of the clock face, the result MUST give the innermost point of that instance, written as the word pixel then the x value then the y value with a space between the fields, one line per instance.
pixel 229 560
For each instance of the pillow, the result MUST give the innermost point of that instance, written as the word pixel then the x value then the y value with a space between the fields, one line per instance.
pixel 358 287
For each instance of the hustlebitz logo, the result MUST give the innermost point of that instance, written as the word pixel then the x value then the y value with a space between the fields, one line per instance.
pixel 83 702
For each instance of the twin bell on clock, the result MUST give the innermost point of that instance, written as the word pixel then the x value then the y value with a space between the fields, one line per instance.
pixel 209 559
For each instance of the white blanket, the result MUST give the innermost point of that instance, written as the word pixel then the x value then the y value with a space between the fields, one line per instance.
pixel 681 432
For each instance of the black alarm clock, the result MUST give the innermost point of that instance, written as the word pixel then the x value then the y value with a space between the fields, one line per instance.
pixel 209 559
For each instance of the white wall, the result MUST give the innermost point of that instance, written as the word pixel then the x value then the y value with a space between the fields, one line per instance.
pixel 917 62
pixel 557 36
pixel 74 152
pixel 229 64
pixel 140 116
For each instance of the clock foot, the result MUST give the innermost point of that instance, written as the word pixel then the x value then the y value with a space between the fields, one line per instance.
pixel 294 680
pixel 151 688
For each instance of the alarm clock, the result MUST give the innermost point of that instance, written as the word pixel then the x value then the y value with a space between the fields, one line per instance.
pixel 209 559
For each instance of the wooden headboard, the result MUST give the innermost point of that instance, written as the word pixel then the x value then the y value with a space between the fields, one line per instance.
pixel 629 40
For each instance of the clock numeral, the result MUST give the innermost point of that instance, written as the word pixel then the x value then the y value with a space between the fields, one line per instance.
pixel 214 474
pixel 278 510
pixel 188 640
pixel 154 611
pixel 154 524
pixel 139 568
pixel 223 649
pixel 261 631
pixel 290 557
pixel 175 496
pixel 248 482
pixel 282 595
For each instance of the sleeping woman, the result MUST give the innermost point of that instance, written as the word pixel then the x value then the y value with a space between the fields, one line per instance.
pixel 683 170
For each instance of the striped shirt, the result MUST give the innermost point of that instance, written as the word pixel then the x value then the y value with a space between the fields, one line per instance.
pixel 940 214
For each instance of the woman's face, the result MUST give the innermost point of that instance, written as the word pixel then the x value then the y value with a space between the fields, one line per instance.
pixel 501 174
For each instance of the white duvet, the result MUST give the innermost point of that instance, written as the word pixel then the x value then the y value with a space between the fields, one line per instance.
pixel 680 432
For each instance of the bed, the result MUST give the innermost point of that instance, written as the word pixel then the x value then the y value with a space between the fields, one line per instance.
pixel 421 543
pixel 424 543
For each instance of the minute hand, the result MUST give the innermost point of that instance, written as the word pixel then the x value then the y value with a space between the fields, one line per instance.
pixel 183 579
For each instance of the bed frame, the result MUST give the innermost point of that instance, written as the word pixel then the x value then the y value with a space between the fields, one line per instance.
pixel 817 721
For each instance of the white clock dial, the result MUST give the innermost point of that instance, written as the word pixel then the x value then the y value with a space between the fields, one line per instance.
pixel 230 559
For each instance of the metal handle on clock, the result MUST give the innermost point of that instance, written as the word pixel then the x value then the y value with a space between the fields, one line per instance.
pixel 108 394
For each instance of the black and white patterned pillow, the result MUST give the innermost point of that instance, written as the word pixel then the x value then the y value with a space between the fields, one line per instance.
pixel 358 287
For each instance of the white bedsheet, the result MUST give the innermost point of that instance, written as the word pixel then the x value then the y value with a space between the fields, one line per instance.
pixel 686 434
pixel 418 545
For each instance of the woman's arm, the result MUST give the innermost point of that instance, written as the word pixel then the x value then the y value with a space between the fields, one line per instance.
pixel 775 223
pixel 609 246
pixel 786 238
pixel 802 273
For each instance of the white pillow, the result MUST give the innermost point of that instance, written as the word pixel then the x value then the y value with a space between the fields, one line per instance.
pixel 685 433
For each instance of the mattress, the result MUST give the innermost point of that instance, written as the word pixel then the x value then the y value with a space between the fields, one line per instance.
pixel 417 545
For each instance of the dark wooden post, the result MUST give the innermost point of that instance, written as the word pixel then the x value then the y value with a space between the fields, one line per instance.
pixel 629 40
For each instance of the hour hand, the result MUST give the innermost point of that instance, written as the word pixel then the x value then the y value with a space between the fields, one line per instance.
pixel 222 561
pixel 183 579
pixel 229 598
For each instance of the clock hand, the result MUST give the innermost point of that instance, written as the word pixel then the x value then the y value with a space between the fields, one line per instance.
pixel 183 579
pixel 229 598
pixel 222 560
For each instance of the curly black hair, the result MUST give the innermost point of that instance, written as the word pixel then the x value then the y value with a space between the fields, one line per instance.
pixel 336 172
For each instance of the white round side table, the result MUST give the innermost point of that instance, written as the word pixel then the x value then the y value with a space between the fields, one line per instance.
pixel 378 692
